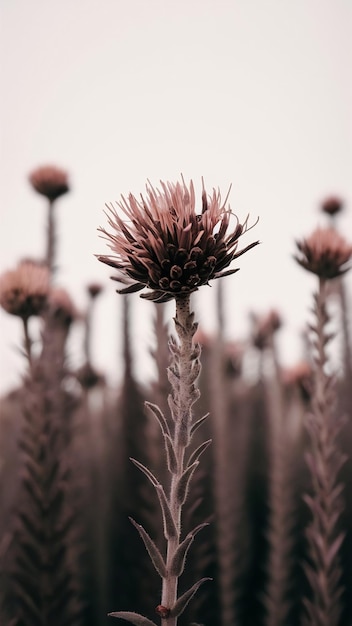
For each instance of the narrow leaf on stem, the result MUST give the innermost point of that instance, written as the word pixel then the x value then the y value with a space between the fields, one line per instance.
pixel 146 471
pixel 198 423
pixel 152 549
pixel 197 453
pixel 159 415
pixel 170 530
pixel 184 481
pixel 183 600
pixel 133 618
pixel 170 454
pixel 179 558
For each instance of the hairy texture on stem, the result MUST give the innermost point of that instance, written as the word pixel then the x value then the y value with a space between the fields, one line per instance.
pixel 183 373
pixel 43 586
pixel 325 503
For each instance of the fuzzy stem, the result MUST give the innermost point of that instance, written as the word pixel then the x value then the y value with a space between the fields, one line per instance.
pixel 184 396
pixel 325 461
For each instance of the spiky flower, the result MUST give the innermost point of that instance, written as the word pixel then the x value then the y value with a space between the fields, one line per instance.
pixel 49 181
pixel 24 290
pixel 166 246
pixel 325 253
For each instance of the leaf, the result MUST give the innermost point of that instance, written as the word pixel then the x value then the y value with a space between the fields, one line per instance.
pixel 170 454
pixel 159 415
pixel 133 618
pixel 183 600
pixel 178 560
pixel 145 471
pixel 173 406
pixel 198 423
pixel 174 379
pixel 334 548
pixel 131 289
pixel 196 454
pixel 170 530
pixel 195 371
pixel 152 549
pixel 227 273
pixel 169 524
pixel 183 482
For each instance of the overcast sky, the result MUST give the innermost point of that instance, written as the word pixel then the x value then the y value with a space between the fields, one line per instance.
pixel 253 93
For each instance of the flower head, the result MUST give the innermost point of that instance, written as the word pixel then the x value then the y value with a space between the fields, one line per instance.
pixel 166 246
pixel 24 290
pixel 325 253
pixel 264 327
pixel 49 181
pixel 332 205
pixel 88 377
pixel 94 289
pixel 62 307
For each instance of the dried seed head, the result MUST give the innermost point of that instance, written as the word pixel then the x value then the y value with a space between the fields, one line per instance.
pixel 49 181
pixel 166 246
pixel 332 205
pixel 325 253
pixel 264 328
pixel 94 289
pixel 88 377
pixel 24 290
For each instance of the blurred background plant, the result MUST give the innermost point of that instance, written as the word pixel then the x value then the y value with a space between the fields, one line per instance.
pixel 68 552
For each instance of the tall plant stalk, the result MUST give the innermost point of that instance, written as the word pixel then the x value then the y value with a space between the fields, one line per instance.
pixel 27 342
pixel 51 237
pixel 325 503
pixel 168 248
pixel 281 514
pixel 183 374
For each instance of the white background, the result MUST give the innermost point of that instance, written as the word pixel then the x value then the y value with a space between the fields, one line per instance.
pixel 253 93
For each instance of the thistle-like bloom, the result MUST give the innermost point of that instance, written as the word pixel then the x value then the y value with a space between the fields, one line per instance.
pixel 49 181
pixel 169 248
pixel 24 290
pixel 325 253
